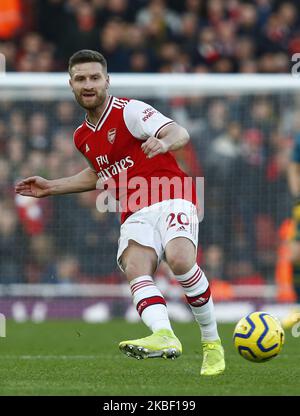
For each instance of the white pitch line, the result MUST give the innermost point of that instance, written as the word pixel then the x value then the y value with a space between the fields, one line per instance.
pixel 55 357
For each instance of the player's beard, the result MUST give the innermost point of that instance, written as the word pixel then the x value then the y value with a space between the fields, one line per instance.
pixel 92 103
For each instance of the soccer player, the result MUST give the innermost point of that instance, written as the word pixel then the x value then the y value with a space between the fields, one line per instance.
pixel 129 138
pixel 294 186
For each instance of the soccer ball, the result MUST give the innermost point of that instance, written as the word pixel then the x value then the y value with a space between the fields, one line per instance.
pixel 258 337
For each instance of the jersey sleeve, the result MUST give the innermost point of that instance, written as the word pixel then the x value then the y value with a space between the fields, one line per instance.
pixel 144 121
pixel 295 156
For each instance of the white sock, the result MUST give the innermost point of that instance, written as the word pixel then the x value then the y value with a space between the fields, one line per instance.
pixel 150 303
pixel 197 292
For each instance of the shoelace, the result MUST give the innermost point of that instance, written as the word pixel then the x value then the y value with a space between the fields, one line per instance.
pixel 209 346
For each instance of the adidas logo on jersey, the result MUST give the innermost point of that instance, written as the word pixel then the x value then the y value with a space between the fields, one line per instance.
pixel 182 228
pixel 87 149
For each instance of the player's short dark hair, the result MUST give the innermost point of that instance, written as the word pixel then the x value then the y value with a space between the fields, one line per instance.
pixel 87 55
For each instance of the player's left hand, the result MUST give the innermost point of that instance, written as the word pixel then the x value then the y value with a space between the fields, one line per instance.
pixel 153 147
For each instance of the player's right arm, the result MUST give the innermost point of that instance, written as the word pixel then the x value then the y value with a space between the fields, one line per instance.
pixel 39 187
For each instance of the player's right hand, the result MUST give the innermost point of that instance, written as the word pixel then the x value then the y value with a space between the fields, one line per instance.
pixel 35 186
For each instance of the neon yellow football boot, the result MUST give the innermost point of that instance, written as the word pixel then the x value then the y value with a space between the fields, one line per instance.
pixel 161 344
pixel 213 358
pixel 291 319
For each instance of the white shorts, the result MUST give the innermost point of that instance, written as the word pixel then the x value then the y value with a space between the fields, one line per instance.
pixel 156 225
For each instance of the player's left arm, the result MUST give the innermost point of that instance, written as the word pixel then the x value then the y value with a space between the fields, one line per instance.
pixel 171 137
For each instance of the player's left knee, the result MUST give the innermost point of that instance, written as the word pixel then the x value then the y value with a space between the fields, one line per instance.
pixel 180 255
pixel 180 262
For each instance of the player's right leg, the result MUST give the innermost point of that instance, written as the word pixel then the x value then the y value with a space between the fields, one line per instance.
pixel 139 264
pixel 179 228
pixel 293 316
pixel 181 257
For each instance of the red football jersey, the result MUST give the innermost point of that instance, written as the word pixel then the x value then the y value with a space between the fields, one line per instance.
pixel 113 150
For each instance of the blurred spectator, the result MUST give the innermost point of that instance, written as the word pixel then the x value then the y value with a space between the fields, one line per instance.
pixel 217 36
pixel 223 152
pixel 245 48
pixel 215 12
pixel 216 119
pixel 111 45
pixel 45 61
pixel 41 258
pixel 26 63
pixel 264 9
pixel 221 163
pixel 214 262
pixel 248 66
pixel 12 260
pixel 187 35
pixel 5 172
pixel 16 148
pixel 33 214
pixel 80 31
pixel 38 135
pixel 10 18
pixel 48 12
pixel 62 143
pixel 65 270
pixel 120 9
pixel 208 49
pixel 139 62
pixel 248 21
pixel 171 58
pixel 157 18
pixel 250 176
pixel 97 249
pixel 64 115
pixel 16 124
pixel 193 6
pixel 142 57
pixel 226 34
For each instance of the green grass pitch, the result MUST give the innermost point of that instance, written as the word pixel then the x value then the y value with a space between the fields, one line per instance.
pixel 75 358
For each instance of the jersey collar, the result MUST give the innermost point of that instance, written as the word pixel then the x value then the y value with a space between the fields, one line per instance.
pixel 103 117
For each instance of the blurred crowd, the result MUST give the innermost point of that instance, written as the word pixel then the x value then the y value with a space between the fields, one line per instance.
pixel 220 36
pixel 241 144
pixel 55 239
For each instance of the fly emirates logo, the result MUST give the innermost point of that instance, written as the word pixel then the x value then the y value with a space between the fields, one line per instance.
pixel 108 172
